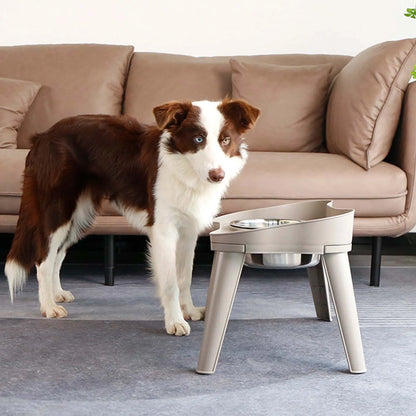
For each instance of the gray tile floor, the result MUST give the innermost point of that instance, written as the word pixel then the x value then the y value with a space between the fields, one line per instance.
pixel 111 355
pixel 134 297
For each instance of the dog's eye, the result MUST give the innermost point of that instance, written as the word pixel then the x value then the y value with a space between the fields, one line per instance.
pixel 198 139
pixel 226 141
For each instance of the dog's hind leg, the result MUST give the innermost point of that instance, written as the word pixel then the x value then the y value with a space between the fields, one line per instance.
pixel 184 263
pixel 82 219
pixel 46 274
pixel 60 294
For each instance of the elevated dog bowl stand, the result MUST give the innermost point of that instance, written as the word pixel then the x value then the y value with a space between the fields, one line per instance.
pixel 322 230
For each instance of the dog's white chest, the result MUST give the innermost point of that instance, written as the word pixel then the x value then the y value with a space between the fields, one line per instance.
pixel 182 201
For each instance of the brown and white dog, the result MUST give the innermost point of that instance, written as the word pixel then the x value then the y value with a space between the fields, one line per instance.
pixel 167 180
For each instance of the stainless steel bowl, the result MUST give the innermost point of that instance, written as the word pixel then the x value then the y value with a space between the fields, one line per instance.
pixel 275 260
pixel 252 224
pixel 281 260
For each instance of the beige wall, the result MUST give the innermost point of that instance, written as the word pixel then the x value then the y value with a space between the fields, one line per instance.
pixel 209 27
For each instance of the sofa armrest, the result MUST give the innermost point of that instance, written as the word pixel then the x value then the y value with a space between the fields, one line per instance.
pixel 403 153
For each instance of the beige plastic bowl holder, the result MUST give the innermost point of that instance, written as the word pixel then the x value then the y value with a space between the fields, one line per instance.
pixel 323 230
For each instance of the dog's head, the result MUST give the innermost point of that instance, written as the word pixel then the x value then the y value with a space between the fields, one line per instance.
pixel 209 135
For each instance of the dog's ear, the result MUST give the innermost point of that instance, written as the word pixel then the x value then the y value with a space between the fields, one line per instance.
pixel 240 112
pixel 171 114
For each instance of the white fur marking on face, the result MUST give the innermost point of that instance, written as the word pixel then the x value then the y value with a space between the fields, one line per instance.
pixel 210 118
pixel 211 156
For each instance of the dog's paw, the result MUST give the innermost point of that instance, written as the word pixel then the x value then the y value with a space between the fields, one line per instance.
pixel 178 328
pixel 54 311
pixel 64 296
pixel 195 314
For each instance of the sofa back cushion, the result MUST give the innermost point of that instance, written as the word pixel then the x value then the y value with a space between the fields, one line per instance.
pixel 75 79
pixel 158 78
pixel 292 100
pixel 366 99
pixel 16 96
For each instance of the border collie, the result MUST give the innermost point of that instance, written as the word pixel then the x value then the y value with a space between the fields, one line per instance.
pixel 167 180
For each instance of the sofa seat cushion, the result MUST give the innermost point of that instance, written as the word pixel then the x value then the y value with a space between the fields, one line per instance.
pixel 12 164
pixel 272 178
pixel 75 79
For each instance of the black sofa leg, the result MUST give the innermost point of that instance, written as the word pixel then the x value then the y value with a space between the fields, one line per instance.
pixel 109 260
pixel 375 261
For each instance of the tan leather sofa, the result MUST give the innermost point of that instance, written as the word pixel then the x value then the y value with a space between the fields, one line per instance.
pixel 359 108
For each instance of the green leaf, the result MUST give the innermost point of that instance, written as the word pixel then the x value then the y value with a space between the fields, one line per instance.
pixel 411 13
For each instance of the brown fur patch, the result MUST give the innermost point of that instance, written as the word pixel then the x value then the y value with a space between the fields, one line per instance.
pixel 242 115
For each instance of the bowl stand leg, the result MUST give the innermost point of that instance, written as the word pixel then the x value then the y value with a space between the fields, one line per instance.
pixel 340 282
pixel 320 291
pixel 225 275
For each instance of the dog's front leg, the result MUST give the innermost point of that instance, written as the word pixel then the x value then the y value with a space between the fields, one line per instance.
pixel 163 242
pixel 184 262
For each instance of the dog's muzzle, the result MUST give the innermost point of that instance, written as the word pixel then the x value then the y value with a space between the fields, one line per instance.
pixel 216 175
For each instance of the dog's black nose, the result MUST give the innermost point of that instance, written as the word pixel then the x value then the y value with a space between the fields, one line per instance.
pixel 216 175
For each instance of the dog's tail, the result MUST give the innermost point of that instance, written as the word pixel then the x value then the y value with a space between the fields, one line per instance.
pixel 26 242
